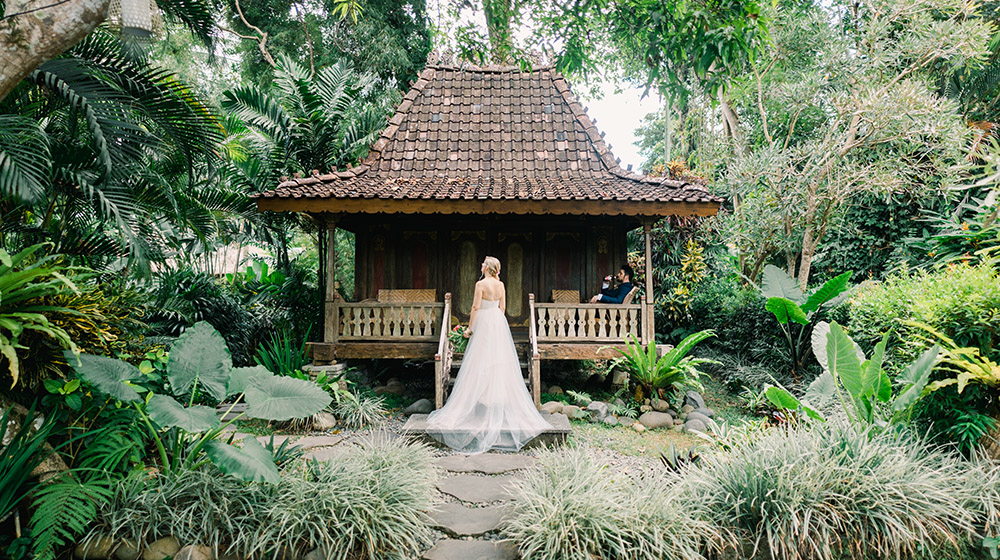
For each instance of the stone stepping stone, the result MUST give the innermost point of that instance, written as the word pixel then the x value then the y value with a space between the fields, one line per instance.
pixel 460 521
pixel 310 442
pixel 486 463
pixel 477 489
pixel 449 549
pixel 322 453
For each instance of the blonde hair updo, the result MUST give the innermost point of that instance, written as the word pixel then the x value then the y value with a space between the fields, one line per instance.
pixel 492 266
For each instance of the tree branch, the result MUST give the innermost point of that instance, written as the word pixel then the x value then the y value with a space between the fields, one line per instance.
pixel 261 38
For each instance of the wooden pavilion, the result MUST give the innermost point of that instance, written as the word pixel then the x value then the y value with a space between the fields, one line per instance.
pixel 481 161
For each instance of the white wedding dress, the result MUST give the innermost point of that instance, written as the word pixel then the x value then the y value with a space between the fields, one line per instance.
pixel 490 407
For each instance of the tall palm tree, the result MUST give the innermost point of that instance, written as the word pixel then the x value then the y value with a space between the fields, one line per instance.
pixel 302 122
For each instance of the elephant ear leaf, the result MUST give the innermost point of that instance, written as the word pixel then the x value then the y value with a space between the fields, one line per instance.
pixel 200 354
pixel 786 310
pixel 777 283
pixel 168 413
pixel 284 398
pixel 253 463
pixel 875 376
pixel 243 377
pixel 843 360
pixel 818 338
pixel 108 375
pixel 783 400
pixel 827 292
pixel 914 379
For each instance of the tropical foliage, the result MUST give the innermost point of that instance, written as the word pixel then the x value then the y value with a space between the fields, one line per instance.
pixel 199 363
pixel 674 370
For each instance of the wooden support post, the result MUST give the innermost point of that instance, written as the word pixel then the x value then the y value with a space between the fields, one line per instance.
pixel 647 308
pixel 330 326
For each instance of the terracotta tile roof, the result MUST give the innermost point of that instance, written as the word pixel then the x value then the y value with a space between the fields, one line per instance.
pixel 495 134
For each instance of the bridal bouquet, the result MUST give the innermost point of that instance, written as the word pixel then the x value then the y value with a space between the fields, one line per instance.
pixel 457 338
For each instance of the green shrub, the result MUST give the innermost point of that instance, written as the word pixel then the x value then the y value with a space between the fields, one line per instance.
pixel 834 490
pixel 571 508
pixel 963 302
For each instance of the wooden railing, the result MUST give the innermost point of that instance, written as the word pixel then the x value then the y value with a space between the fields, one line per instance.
pixel 402 322
pixel 442 360
pixel 534 359
pixel 589 322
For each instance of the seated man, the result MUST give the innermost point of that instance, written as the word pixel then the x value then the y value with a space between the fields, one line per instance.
pixel 616 295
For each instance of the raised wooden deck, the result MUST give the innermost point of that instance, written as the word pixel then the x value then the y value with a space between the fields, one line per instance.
pixel 419 330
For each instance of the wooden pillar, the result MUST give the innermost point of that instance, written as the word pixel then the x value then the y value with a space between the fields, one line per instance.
pixel 648 307
pixel 331 298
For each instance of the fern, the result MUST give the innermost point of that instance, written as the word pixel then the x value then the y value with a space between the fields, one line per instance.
pixel 64 509
pixel 580 398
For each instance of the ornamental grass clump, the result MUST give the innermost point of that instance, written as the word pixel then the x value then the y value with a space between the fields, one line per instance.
pixel 571 508
pixel 836 491
pixel 366 503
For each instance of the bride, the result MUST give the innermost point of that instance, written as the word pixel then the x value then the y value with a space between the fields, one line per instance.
pixel 490 407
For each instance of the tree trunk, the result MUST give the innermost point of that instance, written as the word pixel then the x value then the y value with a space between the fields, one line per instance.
pixel 35 31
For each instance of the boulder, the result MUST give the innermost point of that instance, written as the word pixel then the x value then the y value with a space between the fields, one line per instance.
pixel 694 399
pixel 393 388
pixel 638 427
pixel 660 405
pixel 706 411
pixel 610 420
pixel 315 554
pixel 552 407
pixel 97 547
pixel 423 406
pixel 695 415
pixel 687 408
pixel 574 412
pixel 618 402
pixel 324 421
pixel 695 426
pixel 645 408
pixel 194 552
pixel 619 377
pixel 555 390
pixel 653 420
pixel 161 548
pixel 672 412
pixel 128 550
pixel 598 410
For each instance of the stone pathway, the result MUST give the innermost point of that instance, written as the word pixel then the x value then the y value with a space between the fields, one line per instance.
pixel 478 480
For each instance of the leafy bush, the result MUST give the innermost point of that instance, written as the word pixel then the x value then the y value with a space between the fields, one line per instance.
pixel 745 331
pixel 835 490
pixel 570 508
pixel 962 302
pixel 366 503
pixel 281 356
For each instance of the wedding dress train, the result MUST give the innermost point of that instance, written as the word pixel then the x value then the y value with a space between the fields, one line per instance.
pixel 489 407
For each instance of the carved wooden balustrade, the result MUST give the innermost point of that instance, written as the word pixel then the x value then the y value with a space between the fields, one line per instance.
pixel 589 322
pixel 400 322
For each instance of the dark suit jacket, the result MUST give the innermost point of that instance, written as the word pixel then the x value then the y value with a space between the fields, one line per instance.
pixel 616 295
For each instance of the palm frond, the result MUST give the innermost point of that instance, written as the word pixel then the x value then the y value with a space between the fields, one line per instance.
pixel 196 15
pixel 25 162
